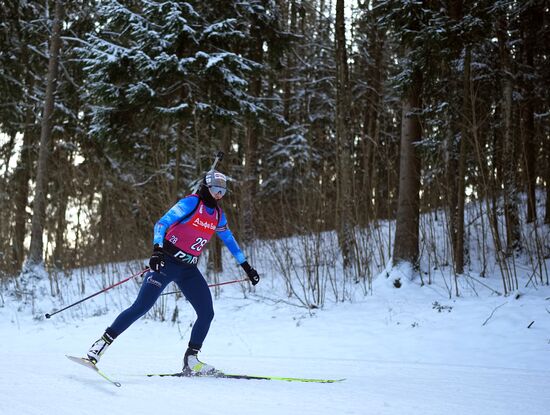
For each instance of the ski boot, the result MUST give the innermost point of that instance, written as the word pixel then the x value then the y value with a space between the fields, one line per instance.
pixel 192 366
pixel 98 348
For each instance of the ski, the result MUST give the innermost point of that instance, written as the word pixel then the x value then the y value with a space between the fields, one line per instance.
pixel 246 377
pixel 89 364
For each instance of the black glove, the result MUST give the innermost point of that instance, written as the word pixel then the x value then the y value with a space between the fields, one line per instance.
pixel 156 262
pixel 251 272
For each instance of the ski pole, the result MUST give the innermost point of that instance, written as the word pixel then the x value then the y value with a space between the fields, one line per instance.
pixel 227 282
pixel 48 315
pixel 214 285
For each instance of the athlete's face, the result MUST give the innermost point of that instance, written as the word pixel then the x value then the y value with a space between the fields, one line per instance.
pixel 217 192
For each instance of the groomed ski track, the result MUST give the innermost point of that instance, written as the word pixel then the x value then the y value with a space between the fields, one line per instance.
pixel 399 357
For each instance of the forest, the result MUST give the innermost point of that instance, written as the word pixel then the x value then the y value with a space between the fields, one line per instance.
pixel 336 118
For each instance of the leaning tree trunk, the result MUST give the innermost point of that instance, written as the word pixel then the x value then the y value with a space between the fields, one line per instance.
pixel 39 210
pixel 407 224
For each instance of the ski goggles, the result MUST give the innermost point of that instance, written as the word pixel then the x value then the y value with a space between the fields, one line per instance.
pixel 217 190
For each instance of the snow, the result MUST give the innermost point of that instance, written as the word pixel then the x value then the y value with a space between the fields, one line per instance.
pixel 402 351
pixel 418 349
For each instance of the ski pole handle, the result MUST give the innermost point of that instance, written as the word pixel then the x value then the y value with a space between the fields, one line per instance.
pixel 49 315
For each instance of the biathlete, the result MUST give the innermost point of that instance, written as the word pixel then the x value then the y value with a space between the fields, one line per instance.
pixel 179 239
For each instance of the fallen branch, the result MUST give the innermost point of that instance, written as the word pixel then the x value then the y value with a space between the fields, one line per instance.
pixel 482 283
pixel 493 312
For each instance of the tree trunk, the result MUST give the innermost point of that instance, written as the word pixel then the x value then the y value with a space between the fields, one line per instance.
pixel 530 159
pixel 371 122
pixel 6 210
pixel 407 224
pixel 21 183
pixel 511 197
pixel 287 84
pixel 23 170
pixel 39 209
pixel 464 139
pixel 529 22
pixel 451 165
pixel 60 191
pixel 547 214
pixel 215 249
pixel 180 141
pixel 456 155
pixel 61 224
pixel 252 132
pixel 343 125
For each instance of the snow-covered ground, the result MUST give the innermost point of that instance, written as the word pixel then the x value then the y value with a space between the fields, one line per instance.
pixel 402 351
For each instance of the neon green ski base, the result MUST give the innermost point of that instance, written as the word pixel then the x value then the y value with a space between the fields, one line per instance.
pixel 248 377
pixel 89 364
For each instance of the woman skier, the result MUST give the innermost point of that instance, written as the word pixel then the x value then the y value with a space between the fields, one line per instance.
pixel 179 238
